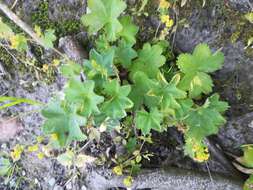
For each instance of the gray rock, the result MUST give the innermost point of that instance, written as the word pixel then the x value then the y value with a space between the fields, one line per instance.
pixel 59 10
pixel 172 179
pixel 72 48
pixel 237 132
pixel 241 5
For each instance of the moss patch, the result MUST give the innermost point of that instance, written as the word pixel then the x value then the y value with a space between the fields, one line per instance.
pixel 41 18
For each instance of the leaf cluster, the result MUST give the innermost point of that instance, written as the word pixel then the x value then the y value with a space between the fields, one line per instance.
pixel 123 82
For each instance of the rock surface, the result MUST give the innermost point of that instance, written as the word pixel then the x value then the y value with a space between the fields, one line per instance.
pixel 59 10
pixel 172 179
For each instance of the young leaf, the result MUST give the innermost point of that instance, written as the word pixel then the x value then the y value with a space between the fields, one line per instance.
pixel 195 68
pixel 63 122
pixel 100 64
pixel 48 38
pixel 5 30
pixel 249 17
pixel 82 93
pixel 182 112
pixel 168 93
pixel 104 13
pixel 248 155
pixel 125 54
pixel 150 59
pixel 129 30
pixel 206 119
pixel 249 183
pixel 5 166
pixel 71 69
pixel 66 159
pixel 140 88
pixel 145 121
pixel 118 100
pixel 19 42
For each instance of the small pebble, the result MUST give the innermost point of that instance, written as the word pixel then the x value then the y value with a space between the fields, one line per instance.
pixel 51 182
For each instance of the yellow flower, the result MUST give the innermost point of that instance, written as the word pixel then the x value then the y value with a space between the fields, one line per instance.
pixel 40 155
pixel 202 156
pixel 128 181
pixel 40 139
pixel 33 148
pixel 165 18
pixel 169 23
pixel 118 170
pixel 45 67
pixel 56 62
pixel 16 153
pixel 54 137
pixel 38 30
pixel 164 4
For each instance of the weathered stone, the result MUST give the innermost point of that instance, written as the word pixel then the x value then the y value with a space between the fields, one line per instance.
pixel 241 5
pixel 237 132
pixel 172 179
pixel 9 128
pixel 61 10
pixel 72 48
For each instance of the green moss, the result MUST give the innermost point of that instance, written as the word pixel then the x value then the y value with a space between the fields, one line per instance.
pixel 5 57
pixel 41 18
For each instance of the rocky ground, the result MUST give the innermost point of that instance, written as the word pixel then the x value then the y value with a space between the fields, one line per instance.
pixel 219 23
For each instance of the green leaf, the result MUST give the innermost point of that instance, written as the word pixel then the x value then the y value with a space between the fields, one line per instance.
pixel 206 119
pixel 5 166
pixel 131 145
pixel 117 101
pixel 129 30
pixel 145 121
pixel 71 69
pixel 82 93
pixel 100 64
pixel 168 93
pixel 48 38
pixel 8 101
pixel 248 155
pixel 150 59
pixel 104 14
pixel 5 31
pixel 182 112
pixel 125 54
pixel 140 88
pixel 195 68
pixel 19 42
pixel 63 121
pixel 66 159
pixel 249 183
pixel 249 17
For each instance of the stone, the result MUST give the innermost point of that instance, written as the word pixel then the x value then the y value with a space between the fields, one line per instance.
pixel 72 48
pixel 241 5
pixel 238 131
pixel 9 128
pixel 172 179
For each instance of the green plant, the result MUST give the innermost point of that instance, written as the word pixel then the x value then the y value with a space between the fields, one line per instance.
pixel 246 165
pixel 133 91
pixel 123 83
